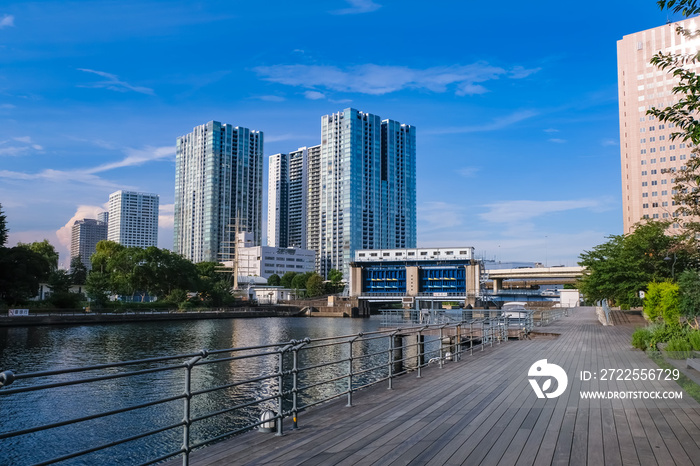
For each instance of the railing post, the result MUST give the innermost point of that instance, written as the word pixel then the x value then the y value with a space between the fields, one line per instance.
pixel 187 407
pixel 483 333
pixel 442 345
pixel 421 351
pixel 471 338
pixel 391 358
pixel 280 390
pixel 458 342
pixel 295 381
pixel 350 370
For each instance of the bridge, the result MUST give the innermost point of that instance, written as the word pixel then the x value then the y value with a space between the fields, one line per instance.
pixel 541 274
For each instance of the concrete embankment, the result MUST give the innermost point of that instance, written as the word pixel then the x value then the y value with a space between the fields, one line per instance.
pixel 145 316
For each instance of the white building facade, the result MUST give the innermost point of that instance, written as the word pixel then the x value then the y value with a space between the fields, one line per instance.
pixel 133 219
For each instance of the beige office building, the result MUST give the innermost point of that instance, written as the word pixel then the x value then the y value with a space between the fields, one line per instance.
pixel 648 155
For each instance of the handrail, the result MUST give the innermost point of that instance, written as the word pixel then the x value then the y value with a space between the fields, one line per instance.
pixel 296 375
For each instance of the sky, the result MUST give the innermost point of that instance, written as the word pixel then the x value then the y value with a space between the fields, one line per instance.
pixel 515 105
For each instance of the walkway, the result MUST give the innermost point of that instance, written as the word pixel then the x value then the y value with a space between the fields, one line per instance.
pixel 482 410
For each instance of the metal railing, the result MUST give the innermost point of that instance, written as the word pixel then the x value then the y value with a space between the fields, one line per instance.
pixel 547 316
pixel 281 380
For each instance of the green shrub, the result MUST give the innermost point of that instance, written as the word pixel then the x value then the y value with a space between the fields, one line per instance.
pixel 694 339
pixel 641 338
pixel 651 302
pixel 678 348
pixel 662 333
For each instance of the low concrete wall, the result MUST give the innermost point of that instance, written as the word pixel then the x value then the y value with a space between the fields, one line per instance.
pixel 101 318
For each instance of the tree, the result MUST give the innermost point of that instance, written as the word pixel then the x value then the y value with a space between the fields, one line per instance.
pixel 299 281
pixel 98 287
pixel 287 278
pixel 78 271
pixel 21 271
pixel 3 228
pixel 689 293
pixel 314 285
pixel 44 249
pixel 274 280
pixel 623 266
pixel 335 277
pixel 682 115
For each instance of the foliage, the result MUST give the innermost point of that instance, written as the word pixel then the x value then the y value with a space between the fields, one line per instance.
pixel 686 7
pixel 682 115
pixel 287 278
pixel 78 271
pixel 314 285
pixel 335 276
pixel 689 289
pixel 21 271
pixel 678 348
pixel 274 280
pixel 669 304
pixel 662 333
pixel 59 281
pixel 213 286
pixel 694 339
pixel 641 338
pixel 44 249
pixel 620 268
pixel 97 286
pixel 3 228
pixel 299 281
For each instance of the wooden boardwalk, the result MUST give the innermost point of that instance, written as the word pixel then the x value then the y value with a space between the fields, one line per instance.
pixel 482 410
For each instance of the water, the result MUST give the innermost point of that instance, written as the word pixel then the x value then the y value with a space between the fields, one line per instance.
pixel 33 349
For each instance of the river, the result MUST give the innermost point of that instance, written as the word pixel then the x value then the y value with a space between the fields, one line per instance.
pixel 34 349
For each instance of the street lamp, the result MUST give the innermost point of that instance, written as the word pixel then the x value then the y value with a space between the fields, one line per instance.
pixel 673 266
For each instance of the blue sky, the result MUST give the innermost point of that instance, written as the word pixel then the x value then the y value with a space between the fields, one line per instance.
pixel 515 105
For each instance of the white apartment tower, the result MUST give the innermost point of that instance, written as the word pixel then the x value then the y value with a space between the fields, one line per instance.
pixel 133 219
pixel 218 190
pixel 289 191
pixel 649 158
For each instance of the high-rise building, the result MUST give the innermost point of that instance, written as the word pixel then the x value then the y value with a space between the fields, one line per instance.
pixel 649 157
pixel 85 234
pixel 368 195
pixel 290 185
pixel 356 190
pixel 277 207
pixel 218 190
pixel 133 219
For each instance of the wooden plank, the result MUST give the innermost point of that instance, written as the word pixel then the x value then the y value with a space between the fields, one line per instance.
pixel 481 410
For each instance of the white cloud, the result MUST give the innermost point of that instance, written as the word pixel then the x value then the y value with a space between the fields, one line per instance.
pixel 271 98
pixel 609 142
pixel 166 215
pixel 136 157
pixel 496 124
pixel 7 106
pixel 557 140
pixel 468 172
pixel 357 7
pixel 383 79
pixel 7 21
pixel 15 150
pixel 314 95
pixel 113 83
pixel 516 212
pixel 84 211
pixel 551 130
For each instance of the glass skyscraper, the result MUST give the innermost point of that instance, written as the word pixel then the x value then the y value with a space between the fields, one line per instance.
pixel 218 189
pixel 358 189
